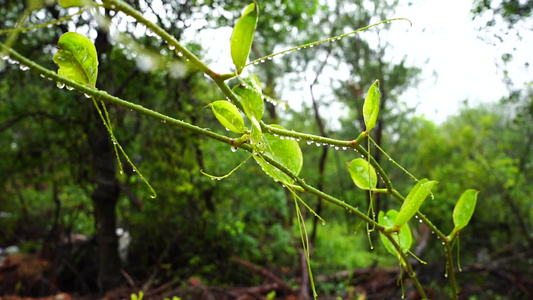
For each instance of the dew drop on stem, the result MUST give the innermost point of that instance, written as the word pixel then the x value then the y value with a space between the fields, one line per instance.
pixel 318 144
pixel 60 85
pixel 309 142
pixel 234 149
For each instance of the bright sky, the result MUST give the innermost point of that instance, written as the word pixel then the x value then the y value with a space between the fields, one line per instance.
pixel 444 42
pixel 444 39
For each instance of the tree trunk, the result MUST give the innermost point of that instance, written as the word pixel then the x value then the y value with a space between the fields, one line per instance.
pixel 105 198
pixel 106 193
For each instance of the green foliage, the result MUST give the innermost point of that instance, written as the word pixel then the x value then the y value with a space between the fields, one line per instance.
pixel 371 106
pixel 73 3
pixel 464 209
pixel 243 35
pixel 363 174
pixel 137 297
pixel 284 151
pixel 251 101
pixel 403 238
pixel 201 224
pixel 228 115
pixel 77 59
pixel 413 201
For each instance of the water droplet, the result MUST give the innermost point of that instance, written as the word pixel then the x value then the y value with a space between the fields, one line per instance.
pixel 171 47
pixel 275 134
pixel 344 148
pixel 87 95
pixel 446 275
pixel 297 140
pixel 416 216
pixel 60 85
pixel 262 61
pixel 298 49
pixel 443 243
pixel 390 159
pixel 323 223
pixel 212 178
pixel 371 248
pixel 24 68
pixel 180 54
pixel 70 88
pixel 234 149
pixel 227 129
pixel 269 58
pixel 339 38
pixel 432 232
pixel 256 63
pixel 420 221
pixel 318 144
pixel 281 137
pixel 336 148
pixel 438 237
pixel 309 142
pixel 5 57
pixel 134 170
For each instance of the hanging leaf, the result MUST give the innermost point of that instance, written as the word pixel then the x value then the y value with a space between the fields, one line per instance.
pixel 77 59
pixel 363 174
pixel 464 209
pixel 250 98
pixel 228 115
pixel 285 152
pixel 371 106
pixel 403 238
pixel 413 201
pixel 243 35
pixel 73 3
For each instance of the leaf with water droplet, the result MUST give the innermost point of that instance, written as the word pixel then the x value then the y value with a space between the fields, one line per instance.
pixel 403 238
pixel 371 106
pixel 464 209
pixel 77 59
pixel 243 35
pixel 285 152
pixel 228 115
pixel 250 99
pixel 413 201
pixel 363 174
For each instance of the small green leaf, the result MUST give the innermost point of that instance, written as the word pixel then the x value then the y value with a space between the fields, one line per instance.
pixel 285 152
pixel 464 209
pixel 77 59
pixel 73 3
pixel 403 238
pixel 363 174
pixel 228 115
pixel 250 98
pixel 371 106
pixel 243 35
pixel 414 200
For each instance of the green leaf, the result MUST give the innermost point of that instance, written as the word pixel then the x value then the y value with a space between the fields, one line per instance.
pixel 73 3
pixel 228 115
pixel 285 152
pixel 243 35
pixel 250 98
pixel 363 174
pixel 403 238
pixel 371 106
pixel 77 59
pixel 413 201
pixel 464 209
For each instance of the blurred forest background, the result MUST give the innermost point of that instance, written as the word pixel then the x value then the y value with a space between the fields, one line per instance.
pixel 78 226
